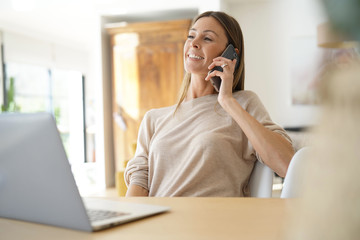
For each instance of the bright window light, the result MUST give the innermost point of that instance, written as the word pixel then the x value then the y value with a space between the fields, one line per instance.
pixel 23 5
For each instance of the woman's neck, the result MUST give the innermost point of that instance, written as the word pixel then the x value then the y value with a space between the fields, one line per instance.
pixel 199 88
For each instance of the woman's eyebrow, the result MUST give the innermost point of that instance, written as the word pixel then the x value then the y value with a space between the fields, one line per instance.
pixel 194 29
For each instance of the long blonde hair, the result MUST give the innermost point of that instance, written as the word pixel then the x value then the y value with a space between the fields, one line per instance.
pixel 235 37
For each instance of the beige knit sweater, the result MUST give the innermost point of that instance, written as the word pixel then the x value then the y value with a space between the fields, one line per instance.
pixel 199 151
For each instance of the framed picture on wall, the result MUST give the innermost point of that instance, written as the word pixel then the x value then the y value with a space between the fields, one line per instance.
pixel 308 61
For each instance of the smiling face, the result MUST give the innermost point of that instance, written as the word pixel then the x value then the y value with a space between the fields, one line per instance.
pixel 206 40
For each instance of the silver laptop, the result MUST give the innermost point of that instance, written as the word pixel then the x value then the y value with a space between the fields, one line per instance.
pixel 37 185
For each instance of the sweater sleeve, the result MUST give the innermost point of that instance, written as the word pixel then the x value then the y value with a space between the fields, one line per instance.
pixel 136 171
pixel 256 108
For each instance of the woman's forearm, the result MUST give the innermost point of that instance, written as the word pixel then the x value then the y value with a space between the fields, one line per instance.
pixel 136 191
pixel 274 149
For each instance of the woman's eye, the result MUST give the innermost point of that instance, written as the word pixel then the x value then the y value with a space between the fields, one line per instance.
pixel 207 39
pixel 190 37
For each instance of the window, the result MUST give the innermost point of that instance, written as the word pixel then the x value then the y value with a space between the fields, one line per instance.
pixel 30 88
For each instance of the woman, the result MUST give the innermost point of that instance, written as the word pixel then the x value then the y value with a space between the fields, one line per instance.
pixel 207 145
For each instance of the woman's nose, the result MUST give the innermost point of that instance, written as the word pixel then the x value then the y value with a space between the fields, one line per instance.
pixel 195 43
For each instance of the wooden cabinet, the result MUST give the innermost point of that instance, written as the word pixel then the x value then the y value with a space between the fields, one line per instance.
pixel 147 61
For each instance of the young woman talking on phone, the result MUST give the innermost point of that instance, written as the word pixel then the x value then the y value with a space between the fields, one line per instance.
pixel 208 143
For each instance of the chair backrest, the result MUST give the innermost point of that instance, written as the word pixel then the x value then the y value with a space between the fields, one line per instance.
pixel 261 181
pixel 295 174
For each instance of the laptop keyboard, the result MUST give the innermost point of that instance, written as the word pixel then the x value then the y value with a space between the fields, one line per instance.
pixel 98 215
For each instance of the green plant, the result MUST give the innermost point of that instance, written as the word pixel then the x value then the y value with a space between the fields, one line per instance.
pixel 57 113
pixel 10 105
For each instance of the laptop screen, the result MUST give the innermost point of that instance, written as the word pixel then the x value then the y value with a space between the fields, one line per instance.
pixel 36 181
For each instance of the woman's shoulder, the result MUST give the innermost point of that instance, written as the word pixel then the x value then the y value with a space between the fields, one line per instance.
pixel 246 95
pixel 157 112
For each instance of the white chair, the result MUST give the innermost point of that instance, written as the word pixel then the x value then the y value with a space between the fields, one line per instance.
pixel 294 177
pixel 261 181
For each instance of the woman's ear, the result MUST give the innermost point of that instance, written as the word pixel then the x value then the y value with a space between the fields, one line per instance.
pixel 237 51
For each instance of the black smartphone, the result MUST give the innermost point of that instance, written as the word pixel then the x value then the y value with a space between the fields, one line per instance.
pixel 229 53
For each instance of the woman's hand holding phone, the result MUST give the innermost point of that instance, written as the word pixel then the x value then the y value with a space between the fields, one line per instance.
pixel 222 79
pixel 222 70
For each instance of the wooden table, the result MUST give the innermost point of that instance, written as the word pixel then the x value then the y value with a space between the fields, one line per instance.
pixel 189 218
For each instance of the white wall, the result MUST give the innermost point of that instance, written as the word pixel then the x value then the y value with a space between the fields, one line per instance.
pixel 269 27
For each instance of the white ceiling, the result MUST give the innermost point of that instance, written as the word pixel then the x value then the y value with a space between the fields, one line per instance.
pixel 73 22
pixel 67 22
